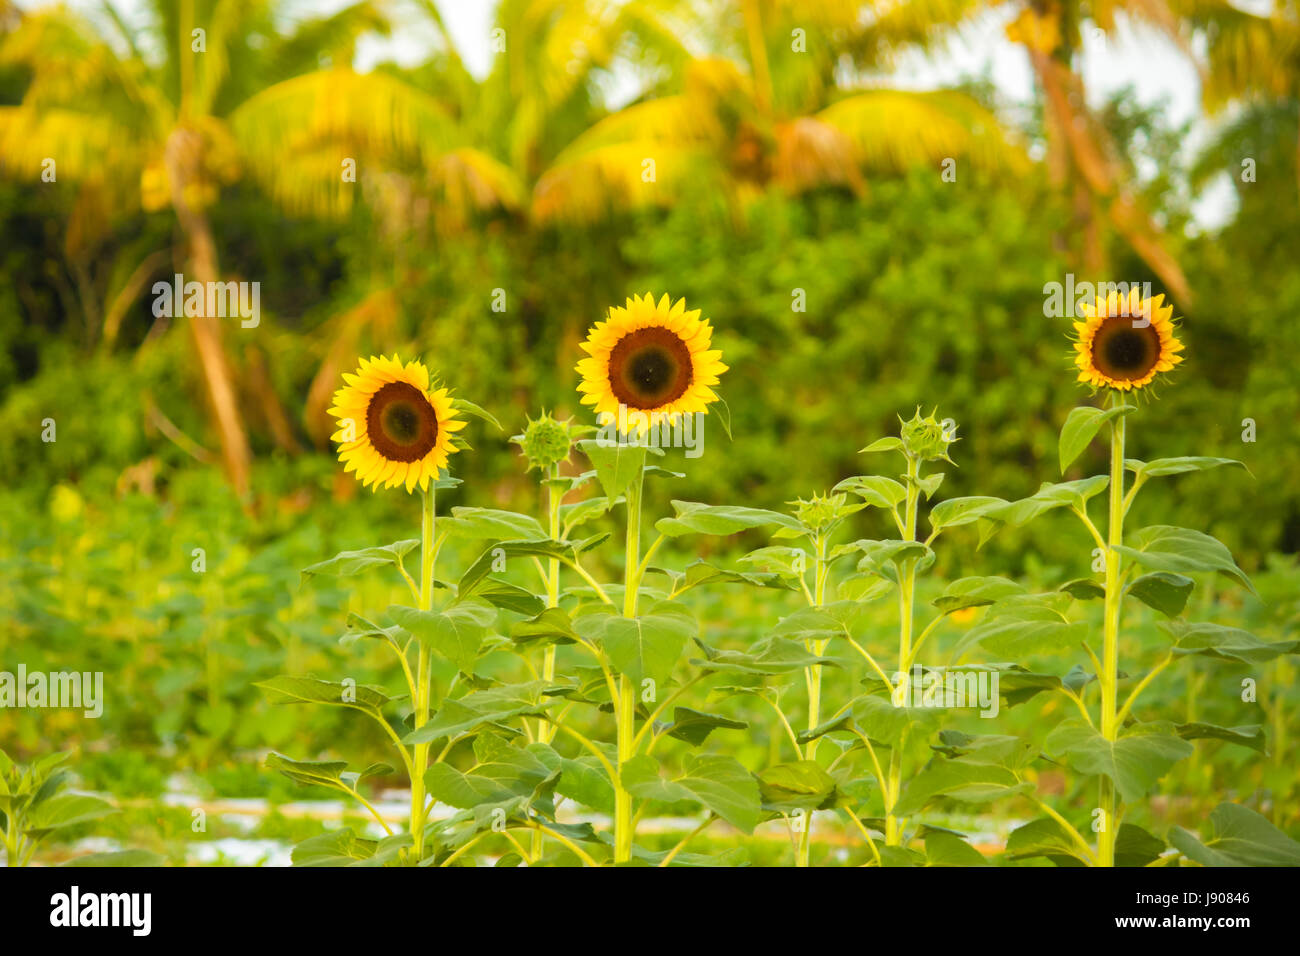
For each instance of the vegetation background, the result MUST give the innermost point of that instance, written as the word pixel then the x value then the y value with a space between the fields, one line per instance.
pixel 790 168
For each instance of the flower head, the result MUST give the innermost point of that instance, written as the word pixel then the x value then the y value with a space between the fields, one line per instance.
pixel 652 358
pixel 394 427
pixel 1125 341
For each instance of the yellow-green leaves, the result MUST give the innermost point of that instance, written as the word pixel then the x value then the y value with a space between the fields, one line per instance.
pixel 1238 836
pixel 1081 426
pixel 1135 762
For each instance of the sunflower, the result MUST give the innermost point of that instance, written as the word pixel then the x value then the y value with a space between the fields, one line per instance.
pixel 650 358
pixel 393 429
pixel 1124 342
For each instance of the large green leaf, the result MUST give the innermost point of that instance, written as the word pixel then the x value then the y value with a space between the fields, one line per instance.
pixel 948 849
pixel 1247 735
pixel 799 785
pixel 959 511
pixel 959 780
pixel 1238 837
pixel 1225 643
pixel 347 563
pixel 1169 548
pixel 509 597
pixel 552 626
pixel 721 784
pixel 646 646
pixel 699 573
pixel 312 773
pixel 285 689
pixel 1045 837
pixel 976 592
pixel 490 523
pixel 504 774
pixel 1065 494
pixel 486 562
pixel 455 633
pixel 998 750
pixel 616 463
pixel 769 656
pixel 64 810
pixel 1014 630
pixel 1135 762
pixel 495 705
pixel 884 558
pixel 340 848
pixel 1177 466
pixel 1163 590
pixel 839 619
pixel 694 726
pixel 580 512
pixel 698 518
pixel 876 490
pixel 1081 426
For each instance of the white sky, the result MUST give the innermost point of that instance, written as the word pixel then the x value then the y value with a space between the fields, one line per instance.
pixel 1137 57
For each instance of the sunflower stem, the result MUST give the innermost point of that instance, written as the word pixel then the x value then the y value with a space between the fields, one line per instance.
pixel 625 714
pixel 1109 676
pixel 420 758
pixel 813 676
pixel 906 592
pixel 545 729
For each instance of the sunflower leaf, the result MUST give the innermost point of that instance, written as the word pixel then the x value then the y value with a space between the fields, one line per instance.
pixel 1081 426
pixel 883 444
pixel 1177 466
pixel 464 405
pixel 347 563
pixel 1170 548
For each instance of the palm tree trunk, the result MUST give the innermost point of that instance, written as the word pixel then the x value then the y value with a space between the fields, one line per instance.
pixel 181 159
pixel 1098 175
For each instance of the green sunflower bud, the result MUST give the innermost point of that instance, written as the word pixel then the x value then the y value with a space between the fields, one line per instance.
pixel 545 442
pixel 927 439
pixel 821 511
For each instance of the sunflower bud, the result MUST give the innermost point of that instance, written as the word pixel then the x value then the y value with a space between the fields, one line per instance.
pixel 545 442
pixel 821 511
pixel 925 439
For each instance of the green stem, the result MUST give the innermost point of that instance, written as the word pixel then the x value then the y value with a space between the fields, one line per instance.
pixel 906 594
pixel 546 730
pixel 1109 676
pixel 420 757
pixel 625 713
pixel 813 676
pixel 681 844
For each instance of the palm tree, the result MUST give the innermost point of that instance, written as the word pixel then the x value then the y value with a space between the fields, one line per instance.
pixel 1082 159
pixel 764 108
pixel 1249 56
pixel 219 96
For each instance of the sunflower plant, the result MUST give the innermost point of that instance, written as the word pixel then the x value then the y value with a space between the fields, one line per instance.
pixel 860 756
pixel 397 428
pixel 649 365
pixel 1123 345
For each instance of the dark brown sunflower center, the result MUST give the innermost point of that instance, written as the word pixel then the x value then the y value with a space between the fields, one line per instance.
pixel 1123 352
pixel 649 368
pixel 400 422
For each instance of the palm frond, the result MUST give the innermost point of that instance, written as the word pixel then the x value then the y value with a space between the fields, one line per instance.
pixel 896 129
